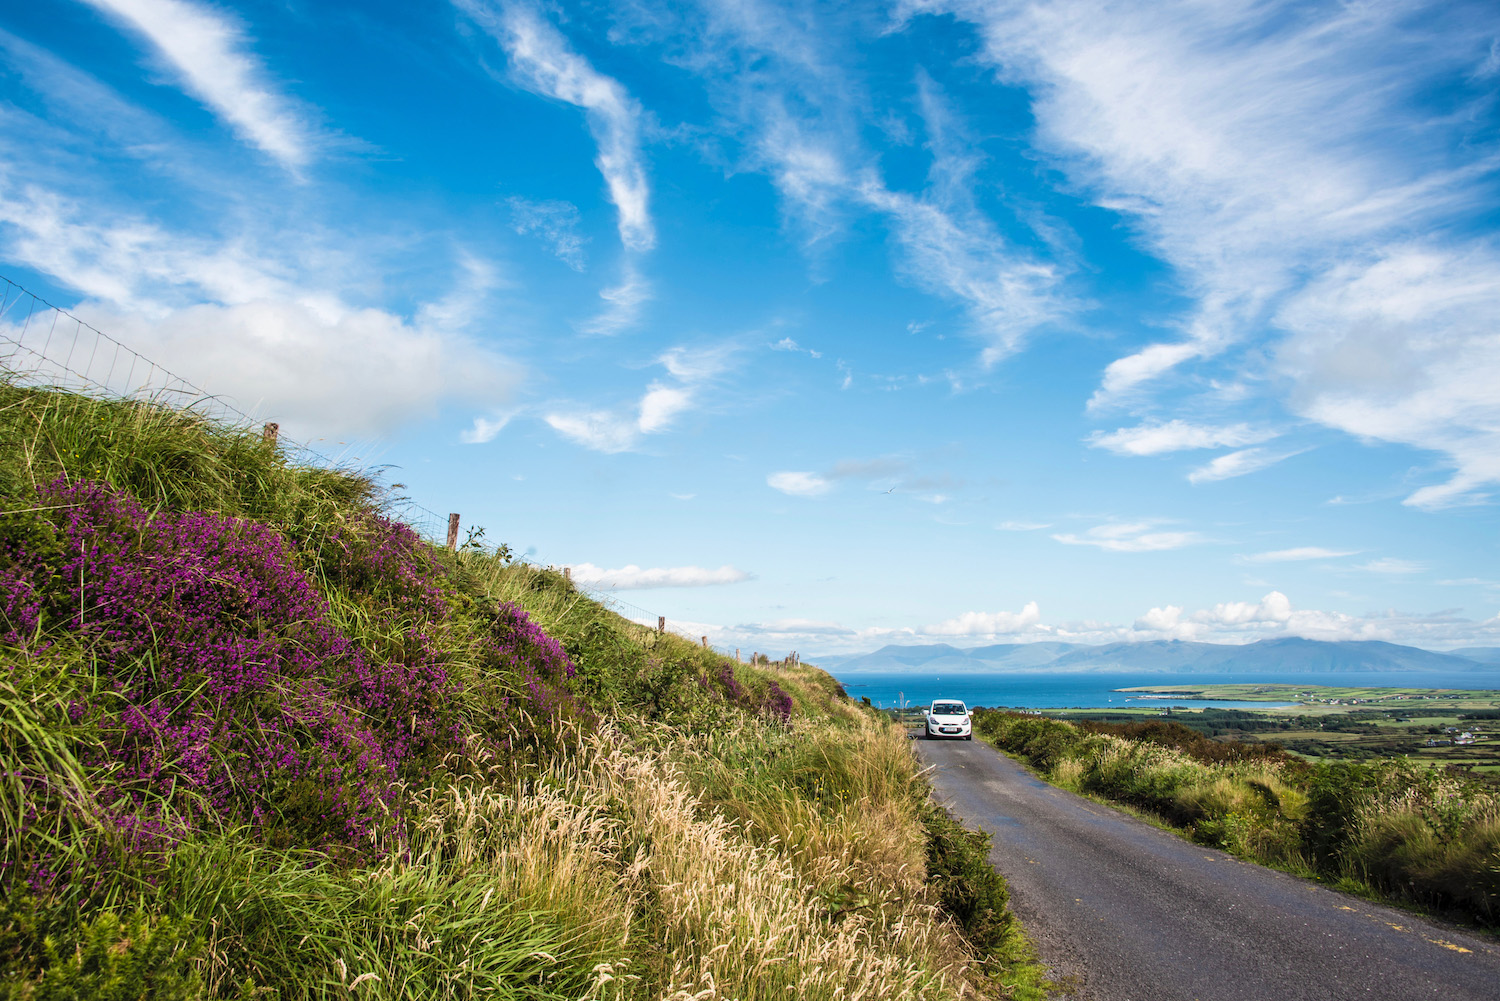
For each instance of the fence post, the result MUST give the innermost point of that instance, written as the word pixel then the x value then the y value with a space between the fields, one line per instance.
pixel 269 432
pixel 568 574
pixel 661 623
pixel 705 642
pixel 453 530
pixel 737 655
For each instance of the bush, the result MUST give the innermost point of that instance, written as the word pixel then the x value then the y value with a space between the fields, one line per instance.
pixel 47 957
pixel 967 887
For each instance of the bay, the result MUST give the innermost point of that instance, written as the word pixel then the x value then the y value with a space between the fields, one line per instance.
pixel 1080 690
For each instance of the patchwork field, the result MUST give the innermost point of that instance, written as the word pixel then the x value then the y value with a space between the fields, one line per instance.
pixel 1437 726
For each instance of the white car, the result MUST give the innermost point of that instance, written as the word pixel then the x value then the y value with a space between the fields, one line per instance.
pixel 949 718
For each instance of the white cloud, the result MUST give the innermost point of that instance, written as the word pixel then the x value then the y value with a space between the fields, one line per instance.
pixel 1230 622
pixel 1299 553
pixel 208 51
pixel 988 623
pixel 317 370
pixel 1023 526
pixel 1280 157
pixel 787 344
pixel 799 484
pixel 1241 463
pixel 544 63
pixel 485 429
pixel 623 305
pixel 1390 565
pixel 1164 620
pixel 632 577
pixel 1006 293
pixel 237 324
pixel 1274 607
pixel 1404 348
pixel 599 430
pixel 1132 537
pixel 661 405
pixel 692 369
pixel 1155 438
pixel 555 223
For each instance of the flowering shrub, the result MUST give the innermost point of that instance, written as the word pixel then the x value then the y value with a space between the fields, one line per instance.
pixel 733 690
pixel 377 556
pixel 532 671
pixel 226 676
pixel 778 704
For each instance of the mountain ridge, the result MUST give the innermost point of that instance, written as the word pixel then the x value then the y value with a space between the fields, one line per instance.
pixel 1283 653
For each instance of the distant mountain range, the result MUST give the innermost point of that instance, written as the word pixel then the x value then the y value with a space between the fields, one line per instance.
pixel 1285 654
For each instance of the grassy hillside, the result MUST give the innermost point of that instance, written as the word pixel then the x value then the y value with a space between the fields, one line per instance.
pixel 260 741
pixel 1390 827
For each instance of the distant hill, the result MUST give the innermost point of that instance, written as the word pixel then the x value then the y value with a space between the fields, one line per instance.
pixel 1283 654
pixel 1482 654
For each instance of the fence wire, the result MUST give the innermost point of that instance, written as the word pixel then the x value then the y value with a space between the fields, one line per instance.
pixel 46 347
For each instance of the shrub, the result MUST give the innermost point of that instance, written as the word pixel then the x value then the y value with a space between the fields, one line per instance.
pixel 967 887
pixel 45 956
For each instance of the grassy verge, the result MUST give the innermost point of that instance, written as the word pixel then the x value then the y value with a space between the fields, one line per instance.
pixel 260 742
pixel 1417 835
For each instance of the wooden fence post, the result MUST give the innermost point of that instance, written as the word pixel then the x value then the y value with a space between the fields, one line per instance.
pixel 453 530
pixel 737 655
pixel 269 432
pixel 705 642
pixel 568 574
pixel 661 623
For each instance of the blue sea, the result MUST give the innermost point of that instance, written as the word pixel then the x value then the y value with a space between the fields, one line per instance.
pixel 1058 690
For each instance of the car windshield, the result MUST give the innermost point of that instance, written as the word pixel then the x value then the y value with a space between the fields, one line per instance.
pixel 947 709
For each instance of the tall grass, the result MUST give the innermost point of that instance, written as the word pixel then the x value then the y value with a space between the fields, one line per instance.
pixel 264 743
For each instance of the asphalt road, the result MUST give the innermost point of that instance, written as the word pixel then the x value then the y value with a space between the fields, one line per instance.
pixel 1122 911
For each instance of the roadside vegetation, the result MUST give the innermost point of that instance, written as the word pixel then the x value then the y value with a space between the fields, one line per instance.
pixel 259 741
pixel 1410 832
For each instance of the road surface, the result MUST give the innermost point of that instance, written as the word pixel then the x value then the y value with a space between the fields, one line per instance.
pixel 1122 911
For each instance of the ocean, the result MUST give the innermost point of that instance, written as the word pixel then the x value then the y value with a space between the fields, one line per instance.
pixel 1059 690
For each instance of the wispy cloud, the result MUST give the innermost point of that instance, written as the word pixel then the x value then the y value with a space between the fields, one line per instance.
pixel 544 63
pixel 485 429
pixel 690 371
pixel 1157 437
pixel 1131 537
pixel 787 344
pixel 1006 293
pixel 1279 157
pixel 1241 463
pixel 623 304
pixel 632 577
pixel 1391 565
pixel 799 483
pixel 555 223
pixel 1404 348
pixel 209 52
pixel 1023 526
pixel 1298 554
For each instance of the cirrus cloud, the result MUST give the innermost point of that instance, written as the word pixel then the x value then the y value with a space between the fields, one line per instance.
pixel 1130 537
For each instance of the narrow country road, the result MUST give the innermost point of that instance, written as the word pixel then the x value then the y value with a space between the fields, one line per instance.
pixel 1122 911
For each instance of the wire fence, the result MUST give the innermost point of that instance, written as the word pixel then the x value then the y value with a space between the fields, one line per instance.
pixel 45 346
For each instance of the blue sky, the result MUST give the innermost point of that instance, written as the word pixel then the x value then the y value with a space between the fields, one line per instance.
pixel 817 327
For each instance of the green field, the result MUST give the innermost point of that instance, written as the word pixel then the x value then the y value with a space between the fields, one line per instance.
pixel 1437 726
